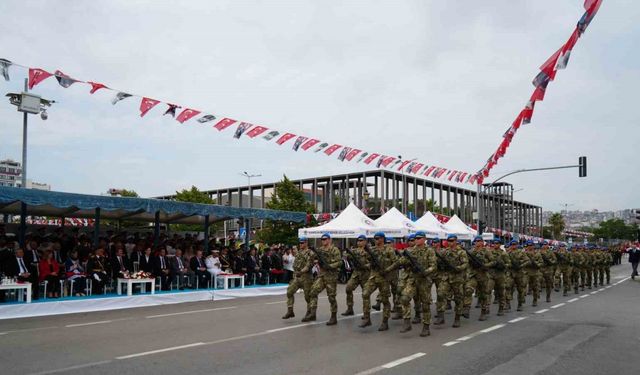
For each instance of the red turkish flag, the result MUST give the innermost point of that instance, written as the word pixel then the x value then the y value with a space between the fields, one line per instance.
pixel 463 175
pixel 472 179
pixel 429 170
pixel 538 95
pixel 352 154
pixel 256 131
pixel 371 158
pixel 310 143
pixel 403 164
pixel 452 174
pixel 224 123
pixel 332 149
pixel 37 75
pixel 186 115
pixel 96 86
pixel 416 168
pixel 549 66
pixel 285 137
pixel 388 161
pixel 146 104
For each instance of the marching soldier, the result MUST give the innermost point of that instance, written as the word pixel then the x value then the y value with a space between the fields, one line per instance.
pixel 358 258
pixel 500 272
pixel 608 261
pixel 328 260
pixel 533 266
pixel 452 265
pixel 421 262
pixel 481 260
pixel 380 258
pixel 518 260
pixel 302 277
pixel 548 268
pixel 402 281
pixel 564 269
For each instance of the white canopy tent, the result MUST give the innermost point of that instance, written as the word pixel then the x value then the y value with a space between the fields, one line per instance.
pixel 430 225
pixel 394 224
pixel 459 228
pixel 351 223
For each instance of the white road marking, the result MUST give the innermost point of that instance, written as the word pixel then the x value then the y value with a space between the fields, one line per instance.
pixel 465 338
pixel 450 343
pixel 518 319
pixel 542 311
pixel 290 327
pixel 161 350
pixel 607 287
pixel 88 324
pixel 190 312
pixel 273 303
pixel 585 296
pixel 594 292
pixel 573 299
pixel 600 290
pixel 558 305
pixel 76 367
pixel 403 360
pixel 493 328
pixel 3 333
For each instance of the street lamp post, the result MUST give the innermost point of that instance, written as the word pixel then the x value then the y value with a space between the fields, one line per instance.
pixel 249 177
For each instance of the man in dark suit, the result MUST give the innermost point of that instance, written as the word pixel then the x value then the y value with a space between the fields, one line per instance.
pixel 96 268
pixel 145 262
pixel 161 269
pixel 32 257
pixel 179 269
pixel 252 266
pixel 17 267
pixel 119 264
pixel 199 270
pixel 136 255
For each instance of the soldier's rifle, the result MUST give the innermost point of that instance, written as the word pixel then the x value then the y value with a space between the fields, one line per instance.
pixel 445 262
pixel 322 260
pixel 475 261
pixel 415 265
pixel 375 262
pixel 354 259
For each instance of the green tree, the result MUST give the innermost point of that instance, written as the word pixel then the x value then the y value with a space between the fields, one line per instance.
pixel 286 197
pixel 615 229
pixel 547 231
pixel 193 195
pixel 129 193
pixel 556 221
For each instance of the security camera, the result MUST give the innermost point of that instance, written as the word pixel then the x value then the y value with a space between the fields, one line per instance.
pixel 44 115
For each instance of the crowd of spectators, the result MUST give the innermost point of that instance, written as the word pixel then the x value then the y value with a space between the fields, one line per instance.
pixel 178 261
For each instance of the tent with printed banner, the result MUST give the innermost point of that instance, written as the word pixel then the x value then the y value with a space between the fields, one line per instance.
pixel 430 225
pixel 459 228
pixel 351 223
pixel 394 224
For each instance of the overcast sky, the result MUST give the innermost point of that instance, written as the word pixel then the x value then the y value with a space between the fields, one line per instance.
pixel 436 80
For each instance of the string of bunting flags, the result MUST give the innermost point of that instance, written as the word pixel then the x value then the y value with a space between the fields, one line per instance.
pixel 558 61
pixel 182 114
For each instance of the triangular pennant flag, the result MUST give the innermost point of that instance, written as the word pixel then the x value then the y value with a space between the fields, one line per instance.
pixel 4 68
pixel 224 123
pixel 310 143
pixel 549 66
pixel 364 155
pixel 272 134
pixel 96 86
pixel 146 104
pixel 299 141
pixel 321 147
pixel 186 115
pixel 242 127
pixel 119 96
pixel 36 76
pixel 424 169
pixel 64 80
pixel 332 149
pixel 171 110
pixel 256 131
pixel 205 118
pixel 563 59
pixel 285 137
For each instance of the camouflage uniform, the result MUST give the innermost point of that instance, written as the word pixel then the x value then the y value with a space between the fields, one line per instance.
pixel 597 260
pixel 608 261
pixel 359 276
pixel 482 281
pixel 563 258
pixel 378 281
pixel 327 278
pixel 302 279
pixel 548 268
pixel 500 271
pixel 580 260
pixel 588 265
pixel 519 260
pixel 453 270
pixel 533 266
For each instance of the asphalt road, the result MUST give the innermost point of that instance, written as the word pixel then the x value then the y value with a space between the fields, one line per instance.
pixel 596 332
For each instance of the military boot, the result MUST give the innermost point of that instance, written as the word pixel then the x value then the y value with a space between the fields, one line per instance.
pixel 333 320
pixel 483 315
pixel 449 307
pixel 310 317
pixel 465 313
pixel 439 319
pixel 575 290
pixel 376 306
pixel 407 326
pixel 366 322
pixel 425 331
pixel 397 315
pixel 349 311
pixel 417 319
pixel 500 311
pixel 565 293
pixel 289 313
pixel 535 302
pixel 456 321
pixel 548 297
pixel 384 326
pixel 519 307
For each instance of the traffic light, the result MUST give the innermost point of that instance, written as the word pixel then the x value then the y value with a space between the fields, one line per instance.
pixel 582 166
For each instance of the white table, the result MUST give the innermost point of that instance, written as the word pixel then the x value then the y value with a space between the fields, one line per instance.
pixel 25 286
pixel 227 276
pixel 130 282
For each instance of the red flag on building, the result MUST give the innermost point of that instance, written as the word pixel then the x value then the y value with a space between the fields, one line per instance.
pixel 417 168
pixel 36 76
pixel 352 154
pixel 388 160
pixel 403 164
pixel 146 104
pixel 429 170
pixel 96 86
pixel 186 115
pixel 310 143
pixel 285 137
pixel 371 158
pixel 332 149
pixel 256 131
pixel 224 123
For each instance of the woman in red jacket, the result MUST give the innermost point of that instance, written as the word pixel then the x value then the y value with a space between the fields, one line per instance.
pixel 50 271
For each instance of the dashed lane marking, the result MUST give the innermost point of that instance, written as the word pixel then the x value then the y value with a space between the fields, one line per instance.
pixel 190 312
pixel 573 300
pixel 493 328
pixel 585 296
pixel 403 360
pixel 542 311
pixel 274 303
pixel 518 319
pixel 558 305
pixel 450 343
pixel 71 368
pixel 88 324
pixel 161 350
